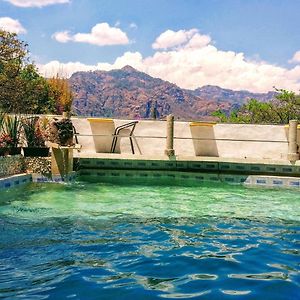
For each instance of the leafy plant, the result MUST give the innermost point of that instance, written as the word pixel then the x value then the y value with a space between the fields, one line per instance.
pixel 61 132
pixel 2 118
pixel 11 128
pixel 33 132
pixel 65 132
pixel 43 124
pixel 5 141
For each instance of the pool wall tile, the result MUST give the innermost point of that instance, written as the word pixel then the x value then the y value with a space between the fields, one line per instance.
pixel 294 183
pixel 273 181
pixel 235 179
pixel 48 178
pixel 181 165
pixel 181 177
pixel 205 166
pixel 15 181
pixel 184 171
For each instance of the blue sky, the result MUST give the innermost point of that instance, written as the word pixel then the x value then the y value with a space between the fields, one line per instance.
pixel 240 44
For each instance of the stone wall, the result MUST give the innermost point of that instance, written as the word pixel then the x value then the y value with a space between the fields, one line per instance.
pixel 41 165
pixel 11 165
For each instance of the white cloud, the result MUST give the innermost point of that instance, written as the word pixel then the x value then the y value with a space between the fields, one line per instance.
pixel 195 62
pixel 101 35
pixel 11 25
pixel 36 3
pixel 55 67
pixel 296 58
pixel 62 36
pixel 170 39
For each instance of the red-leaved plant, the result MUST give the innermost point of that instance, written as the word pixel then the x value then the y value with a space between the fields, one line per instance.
pixel 6 141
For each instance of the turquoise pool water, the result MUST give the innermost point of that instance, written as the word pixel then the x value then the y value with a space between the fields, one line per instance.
pixel 117 241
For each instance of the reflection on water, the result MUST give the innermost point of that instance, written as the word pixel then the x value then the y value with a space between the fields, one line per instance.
pixel 93 241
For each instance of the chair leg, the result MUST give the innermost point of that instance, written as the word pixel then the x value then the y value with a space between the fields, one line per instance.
pixel 131 144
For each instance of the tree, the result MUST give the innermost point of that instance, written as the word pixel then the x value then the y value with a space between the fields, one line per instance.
pixel 36 93
pixel 22 89
pixel 13 56
pixel 285 107
pixel 60 93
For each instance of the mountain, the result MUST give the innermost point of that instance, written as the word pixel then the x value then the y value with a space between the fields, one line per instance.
pixel 219 94
pixel 128 93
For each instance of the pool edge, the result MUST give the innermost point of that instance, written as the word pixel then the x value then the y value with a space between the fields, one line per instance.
pixel 15 180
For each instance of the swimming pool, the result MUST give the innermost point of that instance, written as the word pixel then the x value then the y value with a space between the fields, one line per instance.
pixel 127 241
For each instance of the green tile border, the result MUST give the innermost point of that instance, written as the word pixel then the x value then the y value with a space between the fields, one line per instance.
pixel 185 177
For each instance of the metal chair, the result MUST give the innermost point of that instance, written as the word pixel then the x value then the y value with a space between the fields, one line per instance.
pixel 116 134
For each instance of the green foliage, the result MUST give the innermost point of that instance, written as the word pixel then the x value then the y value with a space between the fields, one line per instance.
pixel 285 107
pixel 11 128
pixel 221 115
pixel 36 93
pixel 233 117
pixel 22 89
pixel 33 132
pixel 13 54
pixel 2 118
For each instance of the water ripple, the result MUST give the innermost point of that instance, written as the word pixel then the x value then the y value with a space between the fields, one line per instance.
pixel 235 292
pixel 261 276
pixel 184 295
pixel 121 248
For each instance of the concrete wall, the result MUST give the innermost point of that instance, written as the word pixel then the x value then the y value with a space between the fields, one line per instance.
pixel 219 140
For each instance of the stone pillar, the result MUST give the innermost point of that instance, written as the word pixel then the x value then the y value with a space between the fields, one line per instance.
pixel 170 136
pixel 293 154
pixel 61 161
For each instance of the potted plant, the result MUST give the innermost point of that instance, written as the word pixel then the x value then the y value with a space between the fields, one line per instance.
pixel 61 132
pixel 5 144
pixel 33 132
pixel 2 139
pixel 2 118
pixel 11 134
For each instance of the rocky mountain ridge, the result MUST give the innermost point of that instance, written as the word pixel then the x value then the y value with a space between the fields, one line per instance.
pixel 128 93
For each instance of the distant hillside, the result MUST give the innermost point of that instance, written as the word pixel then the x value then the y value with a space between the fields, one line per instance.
pixel 218 94
pixel 128 93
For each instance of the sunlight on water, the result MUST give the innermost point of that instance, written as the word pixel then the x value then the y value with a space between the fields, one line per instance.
pixel 120 241
pixel 108 200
